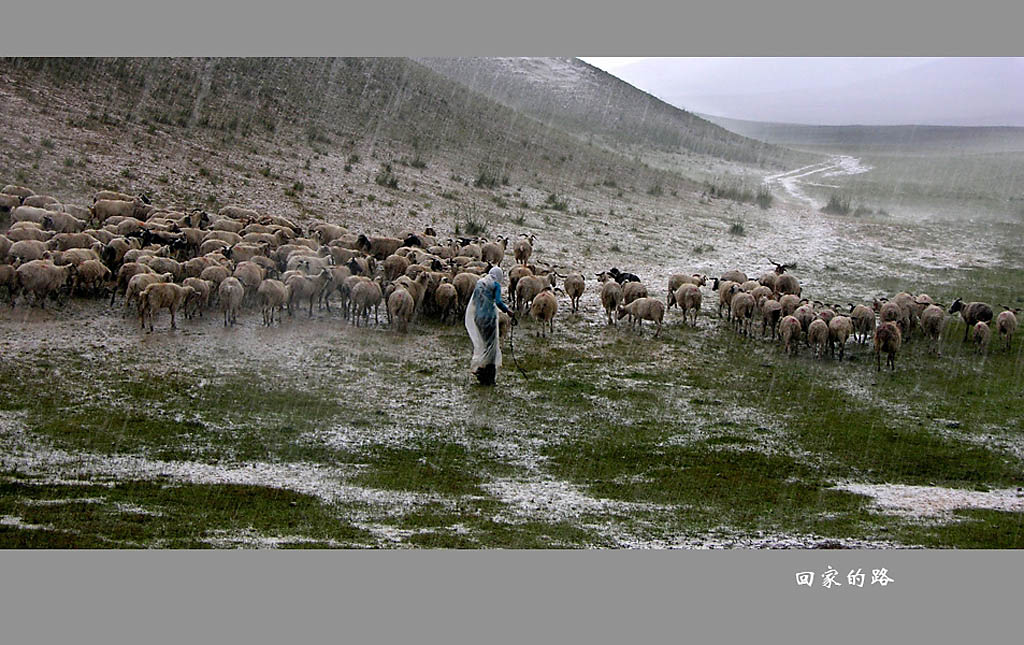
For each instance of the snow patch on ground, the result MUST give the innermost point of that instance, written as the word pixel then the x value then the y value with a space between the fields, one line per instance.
pixel 936 501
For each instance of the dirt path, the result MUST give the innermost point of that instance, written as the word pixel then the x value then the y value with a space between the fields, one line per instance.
pixel 839 165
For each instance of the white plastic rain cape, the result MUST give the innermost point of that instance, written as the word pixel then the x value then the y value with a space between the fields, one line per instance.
pixel 482 324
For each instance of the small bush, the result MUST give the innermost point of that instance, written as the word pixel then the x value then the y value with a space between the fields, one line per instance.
pixel 499 201
pixel 69 162
pixel 353 158
pixel 557 203
pixel 656 190
pixel 386 177
pixel 737 228
pixel 520 220
pixel 764 197
pixel 47 143
pixel 837 205
pixel 862 210
pixel 487 178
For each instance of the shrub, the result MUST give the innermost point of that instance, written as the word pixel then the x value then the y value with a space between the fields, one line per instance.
pixel 837 205
pixel 557 203
pixel 656 190
pixel 486 178
pixel 737 228
pixel 386 177
pixel 764 197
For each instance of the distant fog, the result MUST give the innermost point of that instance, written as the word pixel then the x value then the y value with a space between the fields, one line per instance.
pixel 835 91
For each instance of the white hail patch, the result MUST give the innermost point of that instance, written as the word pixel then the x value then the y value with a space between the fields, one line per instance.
pixel 934 501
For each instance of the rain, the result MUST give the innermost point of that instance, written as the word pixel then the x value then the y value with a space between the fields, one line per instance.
pixel 317 432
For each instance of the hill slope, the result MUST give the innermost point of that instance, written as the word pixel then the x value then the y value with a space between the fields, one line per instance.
pixel 592 104
pixel 216 130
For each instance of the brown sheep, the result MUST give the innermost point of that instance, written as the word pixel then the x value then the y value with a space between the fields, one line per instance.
pixel 741 309
pixel 201 300
pixel 303 287
pixel 401 306
pixel 64 223
pixel 735 275
pixel 394 266
pixel 933 320
pixel 786 284
pixel 643 309
pixel 689 298
pixel 633 291
pixel 1006 323
pixel 21 234
pixel 789 334
pixel 725 295
pixel 447 299
pixel 771 314
pixel 20 191
pixel 125 274
pixel 981 335
pixel 42 278
pixel 272 295
pixel 524 248
pixel 840 328
pixel 887 339
pixel 90 275
pixel 494 252
pixel 790 302
pixel 544 308
pixel 574 286
pixel 230 293
pixel 611 297
pixel 863 318
pixel 817 336
pixel 366 294
pixel 378 247
pixel 26 251
pixel 527 289
pixel 215 274
pixel 163 295
pixel 138 283
pixel 250 275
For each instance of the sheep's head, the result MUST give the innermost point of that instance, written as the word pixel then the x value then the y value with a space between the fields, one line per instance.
pixel 957 305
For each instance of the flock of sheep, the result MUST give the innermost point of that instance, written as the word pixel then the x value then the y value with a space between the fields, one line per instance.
pixel 190 262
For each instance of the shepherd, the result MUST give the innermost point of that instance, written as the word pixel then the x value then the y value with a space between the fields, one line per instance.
pixel 482 325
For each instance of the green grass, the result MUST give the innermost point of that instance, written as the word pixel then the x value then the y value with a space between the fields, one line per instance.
pixel 153 513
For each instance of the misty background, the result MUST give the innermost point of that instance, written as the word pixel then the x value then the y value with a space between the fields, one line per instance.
pixel 835 91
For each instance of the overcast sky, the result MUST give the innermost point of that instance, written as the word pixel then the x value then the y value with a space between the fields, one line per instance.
pixel 835 91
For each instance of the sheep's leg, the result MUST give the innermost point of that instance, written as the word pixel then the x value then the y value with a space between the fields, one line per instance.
pixel 173 325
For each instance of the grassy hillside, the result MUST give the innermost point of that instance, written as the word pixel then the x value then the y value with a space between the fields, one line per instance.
pixel 216 130
pixel 595 105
